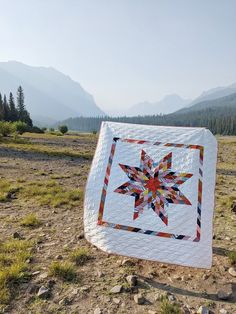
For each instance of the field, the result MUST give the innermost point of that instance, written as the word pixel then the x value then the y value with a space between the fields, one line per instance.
pixel 46 265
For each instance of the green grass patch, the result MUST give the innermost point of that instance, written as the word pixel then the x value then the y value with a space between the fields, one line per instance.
pixel 51 193
pixel 63 270
pixel 79 256
pixel 13 266
pixel 31 221
pixel 232 257
pixel 49 150
pixel 169 308
pixel 7 188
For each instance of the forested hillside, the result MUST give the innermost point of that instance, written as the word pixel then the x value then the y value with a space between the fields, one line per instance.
pixel 220 120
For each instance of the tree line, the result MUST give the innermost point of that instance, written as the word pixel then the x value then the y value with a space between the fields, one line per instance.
pixel 11 111
pixel 220 120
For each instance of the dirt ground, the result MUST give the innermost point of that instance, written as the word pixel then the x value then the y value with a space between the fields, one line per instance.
pixel 61 232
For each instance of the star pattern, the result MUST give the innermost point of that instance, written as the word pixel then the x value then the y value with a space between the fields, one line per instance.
pixel 154 185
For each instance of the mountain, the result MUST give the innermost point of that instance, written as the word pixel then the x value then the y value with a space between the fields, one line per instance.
pixel 168 104
pixel 215 93
pixel 49 94
pixel 222 102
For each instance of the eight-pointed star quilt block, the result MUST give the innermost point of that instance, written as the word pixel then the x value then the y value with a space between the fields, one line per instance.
pixel 150 193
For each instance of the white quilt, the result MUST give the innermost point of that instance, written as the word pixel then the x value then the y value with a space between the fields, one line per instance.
pixel 150 193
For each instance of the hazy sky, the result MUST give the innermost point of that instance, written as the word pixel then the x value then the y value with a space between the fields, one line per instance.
pixel 125 51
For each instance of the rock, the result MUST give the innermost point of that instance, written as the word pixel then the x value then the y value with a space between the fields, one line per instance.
pixel 60 257
pixel 51 283
pixel 127 262
pixel 43 276
pixel 158 296
pixel 116 289
pixel 232 271
pixel 33 288
pixel 233 207
pixel 43 292
pixel 116 300
pixel 205 276
pixel 223 311
pixel 81 236
pixel 65 301
pixel 17 235
pixel 100 274
pixel 85 288
pixel 225 292
pixel 171 297
pixel 132 280
pixel 152 312
pixel 139 299
pixel 97 311
pixel 203 310
pixel 176 277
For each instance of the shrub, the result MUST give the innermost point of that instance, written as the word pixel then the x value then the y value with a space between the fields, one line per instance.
pixel 20 127
pixel 6 128
pixel 63 129
pixel 63 270
pixel 51 130
pixel 31 221
pixel 13 267
pixel 169 308
pixel 36 129
pixel 232 257
pixel 79 256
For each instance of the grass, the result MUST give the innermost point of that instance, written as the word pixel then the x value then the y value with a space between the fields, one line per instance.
pixel 51 193
pixel 63 270
pixel 13 266
pixel 31 221
pixel 169 308
pixel 79 256
pixel 48 150
pixel 232 257
pixel 6 189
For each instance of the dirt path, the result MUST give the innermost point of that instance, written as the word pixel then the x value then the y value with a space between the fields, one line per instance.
pixel 61 232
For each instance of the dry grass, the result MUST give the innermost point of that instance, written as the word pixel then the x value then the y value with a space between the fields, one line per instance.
pixel 48 150
pixel 51 193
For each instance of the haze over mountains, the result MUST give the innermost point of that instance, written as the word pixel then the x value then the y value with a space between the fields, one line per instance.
pixel 52 96
pixel 49 94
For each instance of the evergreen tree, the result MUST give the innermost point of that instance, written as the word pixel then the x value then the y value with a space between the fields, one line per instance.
pixel 23 114
pixel 13 112
pixel 20 103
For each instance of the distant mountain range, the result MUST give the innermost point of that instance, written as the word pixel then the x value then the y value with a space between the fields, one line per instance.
pixel 168 104
pixel 228 101
pixel 49 94
pixel 173 103
pixel 52 96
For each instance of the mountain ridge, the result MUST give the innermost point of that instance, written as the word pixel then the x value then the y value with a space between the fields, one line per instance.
pixel 48 92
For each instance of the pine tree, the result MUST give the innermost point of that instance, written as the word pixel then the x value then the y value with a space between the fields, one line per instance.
pixel 23 114
pixel 13 112
pixel 20 103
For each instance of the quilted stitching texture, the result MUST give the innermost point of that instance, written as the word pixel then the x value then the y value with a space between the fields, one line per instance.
pixel 188 253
